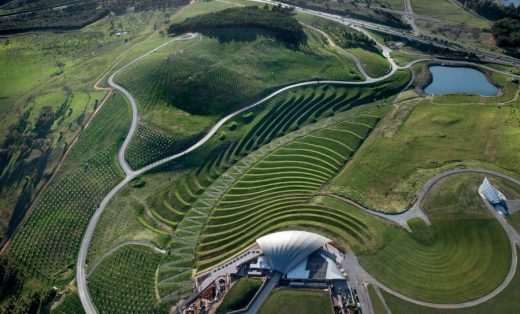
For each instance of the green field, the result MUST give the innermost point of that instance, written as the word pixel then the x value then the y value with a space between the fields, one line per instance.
pixel 125 281
pixel 304 301
pixel 465 254
pixel 377 304
pixel 417 141
pixel 374 63
pixel 447 10
pixel 239 295
pixel 504 302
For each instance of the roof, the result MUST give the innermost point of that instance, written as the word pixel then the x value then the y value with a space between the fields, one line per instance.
pixel 490 193
pixel 285 249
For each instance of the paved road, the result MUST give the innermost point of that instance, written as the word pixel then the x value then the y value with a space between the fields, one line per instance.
pixel 331 42
pixel 83 292
pixel 120 245
pixel 400 219
pixel 351 264
pixel 135 114
pixel 410 17
pixel 264 293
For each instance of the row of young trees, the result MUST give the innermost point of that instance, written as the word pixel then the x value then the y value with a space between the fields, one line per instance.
pixel 278 21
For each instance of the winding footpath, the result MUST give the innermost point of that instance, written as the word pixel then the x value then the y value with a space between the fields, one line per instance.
pixel 358 273
pixel 120 245
pixel 130 174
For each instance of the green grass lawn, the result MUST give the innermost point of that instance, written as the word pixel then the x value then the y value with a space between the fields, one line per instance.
pixel 457 195
pixel 446 10
pixel 374 64
pixel 302 301
pixel 239 295
pixel 465 253
pixel 377 304
pixel 505 302
pixel 415 142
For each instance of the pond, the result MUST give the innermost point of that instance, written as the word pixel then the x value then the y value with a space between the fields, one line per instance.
pixel 459 80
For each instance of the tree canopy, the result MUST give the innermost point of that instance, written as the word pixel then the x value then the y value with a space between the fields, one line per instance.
pixel 277 21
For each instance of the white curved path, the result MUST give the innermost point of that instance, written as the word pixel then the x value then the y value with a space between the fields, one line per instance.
pixel 81 274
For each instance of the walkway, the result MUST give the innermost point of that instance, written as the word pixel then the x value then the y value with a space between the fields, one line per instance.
pixel 117 247
pixel 410 17
pixel 351 264
pixel 264 293
pixel 81 276
pixel 331 42
pixel 400 219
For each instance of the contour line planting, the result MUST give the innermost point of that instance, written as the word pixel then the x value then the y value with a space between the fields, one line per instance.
pixel 81 274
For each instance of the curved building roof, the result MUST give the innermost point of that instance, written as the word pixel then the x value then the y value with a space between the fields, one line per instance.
pixel 285 249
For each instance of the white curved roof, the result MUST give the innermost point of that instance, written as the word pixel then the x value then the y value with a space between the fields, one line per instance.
pixel 285 249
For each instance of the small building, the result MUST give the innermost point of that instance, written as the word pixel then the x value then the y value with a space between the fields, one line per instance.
pixel 494 197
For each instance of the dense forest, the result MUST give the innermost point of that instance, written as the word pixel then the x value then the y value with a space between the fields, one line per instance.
pixel 507 35
pixel 506 29
pixel 278 21
pixel 491 9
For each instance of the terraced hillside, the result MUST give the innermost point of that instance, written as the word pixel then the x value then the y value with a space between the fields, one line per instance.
pixel 276 192
pixel 184 207
pixel 185 87
pixel 280 116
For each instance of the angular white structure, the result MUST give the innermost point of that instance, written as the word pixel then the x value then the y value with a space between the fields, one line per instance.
pixel 286 249
pixel 490 193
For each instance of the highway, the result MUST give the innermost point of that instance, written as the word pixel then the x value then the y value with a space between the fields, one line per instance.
pixel 483 56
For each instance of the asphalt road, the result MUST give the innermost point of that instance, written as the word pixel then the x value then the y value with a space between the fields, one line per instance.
pixel 81 275
pixel 483 56
pixel 351 264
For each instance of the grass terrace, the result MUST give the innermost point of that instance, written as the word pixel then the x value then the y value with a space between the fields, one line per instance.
pixel 276 191
pixel 504 302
